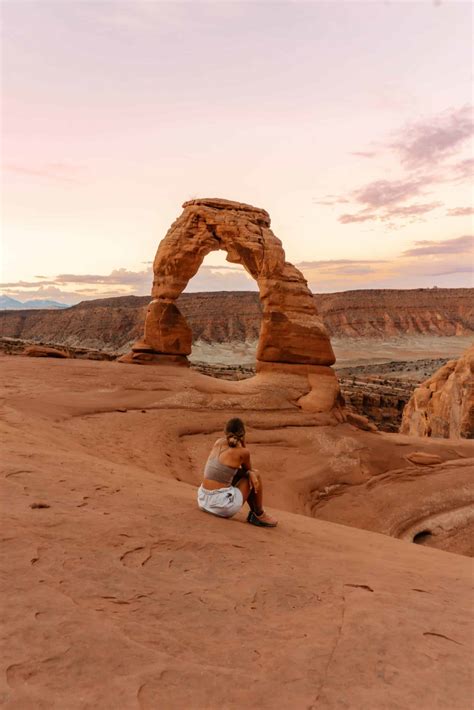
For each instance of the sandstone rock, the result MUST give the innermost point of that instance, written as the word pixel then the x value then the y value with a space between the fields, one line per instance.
pixel 291 330
pixel 443 406
pixel 324 395
pixel 43 351
pixel 166 330
pixel 150 358
pixel 423 459
pixel 359 421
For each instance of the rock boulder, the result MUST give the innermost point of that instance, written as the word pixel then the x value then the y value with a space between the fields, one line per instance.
pixel 443 406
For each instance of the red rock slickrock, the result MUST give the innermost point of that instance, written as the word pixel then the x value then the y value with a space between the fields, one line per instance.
pixel 291 332
pixel 443 406
pixel 44 351
pixel 120 593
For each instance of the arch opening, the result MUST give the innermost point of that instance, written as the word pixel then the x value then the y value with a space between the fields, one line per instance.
pixel 222 307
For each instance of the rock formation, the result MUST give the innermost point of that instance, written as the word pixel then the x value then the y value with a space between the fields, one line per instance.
pixel 291 331
pixel 443 406
pixel 292 338
pixel 44 351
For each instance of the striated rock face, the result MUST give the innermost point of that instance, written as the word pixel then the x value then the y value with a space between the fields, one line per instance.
pixel 380 400
pixel 235 316
pixel 291 331
pixel 378 313
pixel 443 406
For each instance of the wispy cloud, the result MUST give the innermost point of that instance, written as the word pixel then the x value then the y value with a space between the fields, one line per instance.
pixel 453 270
pixel 360 217
pixel 458 245
pixel 460 211
pixel 414 211
pixel 423 148
pixel 444 260
pixel 341 267
pixel 363 153
pixel 381 193
pixel 335 263
pixel 59 172
pixel 331 200
pixel 411 210
pixel 28 284
pixel 463 169
pixel 223 277
pixel 427 142
pixel 124 277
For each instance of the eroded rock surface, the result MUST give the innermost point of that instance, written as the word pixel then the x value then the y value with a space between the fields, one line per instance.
pixel 121 593
pixel 291 330
pixel 443 406
pixel 44 351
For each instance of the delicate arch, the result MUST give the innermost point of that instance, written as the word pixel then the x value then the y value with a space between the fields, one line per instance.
pixel 291 330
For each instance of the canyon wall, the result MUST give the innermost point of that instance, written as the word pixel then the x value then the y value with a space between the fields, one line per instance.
pixel 443 406
pixel 113 323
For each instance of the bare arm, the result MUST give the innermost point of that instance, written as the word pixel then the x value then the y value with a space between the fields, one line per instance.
pixel 247 466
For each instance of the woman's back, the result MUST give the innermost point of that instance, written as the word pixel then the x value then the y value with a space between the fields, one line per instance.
pixel 222 464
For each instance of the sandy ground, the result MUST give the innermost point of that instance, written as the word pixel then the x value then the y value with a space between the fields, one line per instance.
pixel 349 352
pixel 120 593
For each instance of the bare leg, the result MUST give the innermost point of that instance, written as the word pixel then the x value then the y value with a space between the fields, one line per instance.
pixel 255 502
pixel 253 498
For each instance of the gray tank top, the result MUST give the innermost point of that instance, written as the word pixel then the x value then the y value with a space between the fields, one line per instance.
pixel 217 471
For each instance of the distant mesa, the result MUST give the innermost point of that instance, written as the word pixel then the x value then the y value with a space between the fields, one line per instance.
pixel 443 405
pixel 114 324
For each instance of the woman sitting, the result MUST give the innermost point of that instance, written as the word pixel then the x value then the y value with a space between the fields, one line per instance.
pixel 229 480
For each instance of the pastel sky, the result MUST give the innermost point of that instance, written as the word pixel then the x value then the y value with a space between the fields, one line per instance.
pixel 350 122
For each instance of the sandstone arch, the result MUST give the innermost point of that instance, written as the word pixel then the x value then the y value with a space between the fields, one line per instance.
pixel 291 331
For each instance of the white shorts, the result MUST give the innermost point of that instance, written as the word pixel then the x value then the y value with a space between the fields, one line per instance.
pixel 224 502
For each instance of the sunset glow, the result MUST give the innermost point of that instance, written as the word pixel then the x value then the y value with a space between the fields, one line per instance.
pixel 349 122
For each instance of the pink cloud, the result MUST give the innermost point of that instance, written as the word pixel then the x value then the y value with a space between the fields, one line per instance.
pixel 360 217
pixel 458 245
pixel 381 193
pixel 430 141
pixel 464 169
pixel 405 211
pixel 460 211
pixel 363 153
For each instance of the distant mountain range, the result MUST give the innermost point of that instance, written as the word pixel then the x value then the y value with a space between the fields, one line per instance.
pixel 11 304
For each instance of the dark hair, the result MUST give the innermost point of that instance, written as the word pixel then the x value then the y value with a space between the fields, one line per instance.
pixel 234 431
